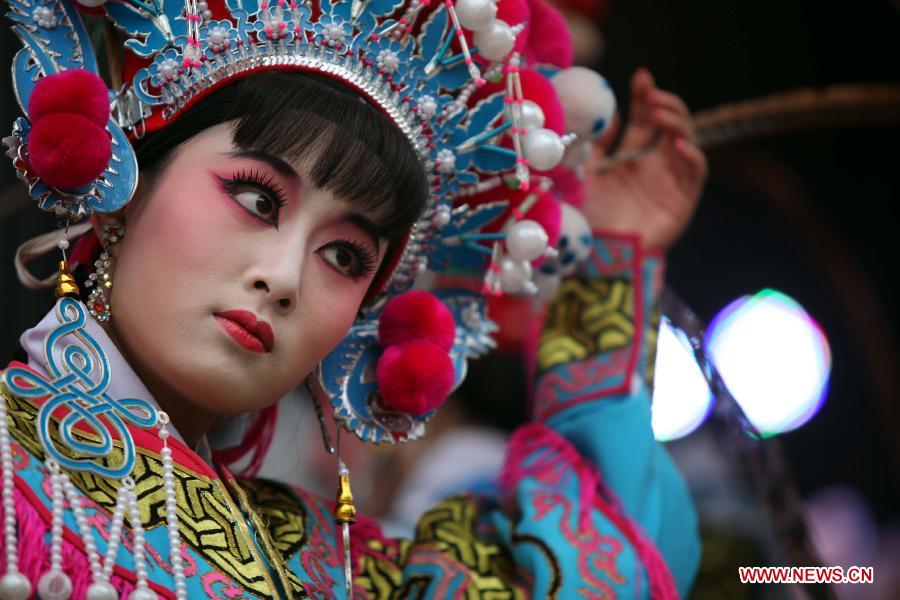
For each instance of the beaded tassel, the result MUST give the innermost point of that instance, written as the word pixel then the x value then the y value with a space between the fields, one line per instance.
pixel 142 590
pixel 54 584
pixel 171 511
pixel 13 585
pixel 474 72
pixel 100 589
pixel 115 532
pixel 515 98
pixel 192 51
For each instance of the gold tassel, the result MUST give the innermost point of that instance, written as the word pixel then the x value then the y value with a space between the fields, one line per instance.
pixel 65 283
pixel 344 510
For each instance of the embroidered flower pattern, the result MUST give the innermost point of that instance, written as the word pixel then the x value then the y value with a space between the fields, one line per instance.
pixel 217 36
pixel 333 31
pixel 165 68
pixel 44 17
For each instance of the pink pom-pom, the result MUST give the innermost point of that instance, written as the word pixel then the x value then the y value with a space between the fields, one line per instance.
pixel 549 41
pixel 414 377
pixel 68 151
pixel 74 91
pixel 416 315
pixel 537 88
pixel 516 12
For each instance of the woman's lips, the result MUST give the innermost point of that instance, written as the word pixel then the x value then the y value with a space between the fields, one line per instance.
pixel 248 331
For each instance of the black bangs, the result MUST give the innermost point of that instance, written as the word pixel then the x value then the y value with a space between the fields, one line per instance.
pixel 347 146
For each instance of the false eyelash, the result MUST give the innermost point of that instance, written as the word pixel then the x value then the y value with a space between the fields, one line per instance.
pixel 366 258
pixel 262 180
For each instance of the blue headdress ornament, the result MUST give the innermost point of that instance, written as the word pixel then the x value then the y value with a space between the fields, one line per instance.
pixel 411 59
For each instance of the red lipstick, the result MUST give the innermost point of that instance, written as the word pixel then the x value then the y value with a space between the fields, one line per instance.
pixel 248 331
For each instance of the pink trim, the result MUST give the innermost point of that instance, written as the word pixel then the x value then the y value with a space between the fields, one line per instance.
pixel 34 552
pixel 634 351
pixel 549 452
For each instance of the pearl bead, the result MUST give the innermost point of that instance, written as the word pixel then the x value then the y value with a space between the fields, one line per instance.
pixel 101 590
pixel 445 161
pixel 532 115
pixel 443 216
pixel 526 240
pixel 63 244
pixel 54 585
pixel 495 42
pixel 91 3
pixel 587 100
pixel 143 594
pixel 513 275
pixel 216 36
pixel 14 586
pixel 427 106
pixel 476 15
pixel 543 149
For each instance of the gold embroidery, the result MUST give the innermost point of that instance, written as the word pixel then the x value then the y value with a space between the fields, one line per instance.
pixel 275 515
pixel 586 319
pixel 207 522
pixel 445 536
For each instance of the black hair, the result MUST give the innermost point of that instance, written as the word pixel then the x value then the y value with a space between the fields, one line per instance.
pixel 349 147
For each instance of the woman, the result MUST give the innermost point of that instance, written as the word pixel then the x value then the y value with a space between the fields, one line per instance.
pixel 276 211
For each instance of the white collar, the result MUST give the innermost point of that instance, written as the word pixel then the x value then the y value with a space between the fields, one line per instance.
pixel 123 383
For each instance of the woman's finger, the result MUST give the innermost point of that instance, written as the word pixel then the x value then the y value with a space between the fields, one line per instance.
pixel 694 163
pixel 641 86
pixel 662 99
pixel 673 123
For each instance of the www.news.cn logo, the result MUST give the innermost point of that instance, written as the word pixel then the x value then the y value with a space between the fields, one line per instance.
pixel 806 574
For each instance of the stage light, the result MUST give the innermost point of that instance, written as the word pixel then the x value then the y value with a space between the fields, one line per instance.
pixel 681 397
pixel 773 357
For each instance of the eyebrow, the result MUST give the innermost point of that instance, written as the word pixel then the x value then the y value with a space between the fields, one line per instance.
pixel 279 164
pixel 368 226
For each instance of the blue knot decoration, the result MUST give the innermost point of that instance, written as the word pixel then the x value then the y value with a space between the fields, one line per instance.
pixel 78 399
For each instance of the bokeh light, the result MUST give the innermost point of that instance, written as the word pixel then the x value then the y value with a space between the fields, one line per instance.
pixel 681 397
pixel 773 357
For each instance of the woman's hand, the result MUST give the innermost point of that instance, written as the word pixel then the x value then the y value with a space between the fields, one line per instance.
pixel 656 195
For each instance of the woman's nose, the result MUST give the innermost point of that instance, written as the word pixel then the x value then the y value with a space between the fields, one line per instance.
pixel 278 275
pixel 285 302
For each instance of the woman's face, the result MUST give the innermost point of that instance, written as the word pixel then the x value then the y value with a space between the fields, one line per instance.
pixel 236 276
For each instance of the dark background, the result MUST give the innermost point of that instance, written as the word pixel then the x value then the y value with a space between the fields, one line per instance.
pixel 809 213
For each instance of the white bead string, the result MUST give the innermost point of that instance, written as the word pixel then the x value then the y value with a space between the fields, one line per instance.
pixel 99 589
pixel 55 584
pixel 13 585
pixel 115 533
pixel 142 591
pixel 171 510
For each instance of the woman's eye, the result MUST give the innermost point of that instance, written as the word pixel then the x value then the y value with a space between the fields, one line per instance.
pixel 257 204
pixel 345 260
